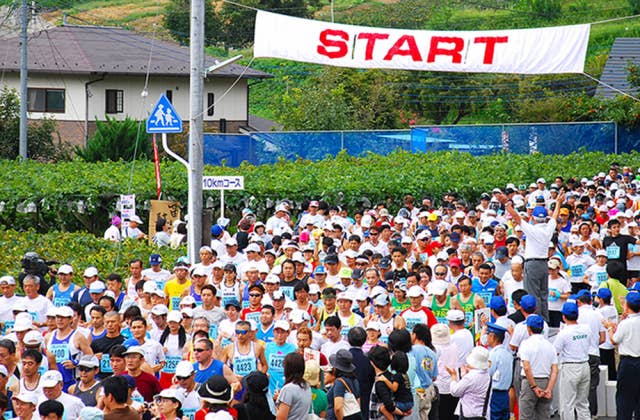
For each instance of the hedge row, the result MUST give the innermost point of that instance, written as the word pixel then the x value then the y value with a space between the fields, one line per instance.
pixel 74 196
pixel 80 249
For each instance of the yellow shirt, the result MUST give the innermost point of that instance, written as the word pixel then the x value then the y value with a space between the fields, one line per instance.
pixel 174 291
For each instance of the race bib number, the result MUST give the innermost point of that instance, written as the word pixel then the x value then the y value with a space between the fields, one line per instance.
pixel 244 365
pixel 213 331
pixel 171 363
pixel 175 302
pixel 42 370
pixel 577 270
pixel 34 316
pixel 468 318
pixel 105 364
pixel 57 302
pixel 411 322
pixel 60 352
pixel 345 330
pixel 601 276
pixel 8 415
pixel 7 326
pixel 138 398
pixel 160 284
pixel 554 295
pixel 255 316
pixel 486 297
pixel 613 251
pixel 276 362
pixel 288 292
pixel 189 413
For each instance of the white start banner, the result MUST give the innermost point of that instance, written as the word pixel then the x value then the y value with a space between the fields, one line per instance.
pixel 559 49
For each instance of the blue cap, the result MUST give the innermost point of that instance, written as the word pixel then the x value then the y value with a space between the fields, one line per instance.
pixel 155 259
pixel 539 211
pixel 385 262
pixel 535 321
pixel 234 303
pixel 216 230
pixel 454 237
pixel 570 309
pixel 320 270
pixel 131 382
pixel 528 303
pixel 496 329
pixel 502 252
pixel 583 293
pixel 635 287
pixel 604 293
pixel 633 298
pixel 497 302
pixel 130 342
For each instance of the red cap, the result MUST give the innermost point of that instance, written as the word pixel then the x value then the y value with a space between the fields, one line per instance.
pixel 455 262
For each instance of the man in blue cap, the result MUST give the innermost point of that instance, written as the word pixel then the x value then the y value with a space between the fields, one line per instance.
pixel 572 345
pixel 539 372
pixel 589 316
pixel 501 371
pixel 610 315
pixel 498 308
pixel 626 336
pixel 527 308
pixel 536 251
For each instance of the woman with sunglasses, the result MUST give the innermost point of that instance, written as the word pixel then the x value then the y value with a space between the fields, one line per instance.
pixel 173 340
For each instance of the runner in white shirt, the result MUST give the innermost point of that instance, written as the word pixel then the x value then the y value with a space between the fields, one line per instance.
pixel 610 315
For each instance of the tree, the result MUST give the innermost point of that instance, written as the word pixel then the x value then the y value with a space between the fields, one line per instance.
pixel 41 144
pixel 115 140
pixel 177 20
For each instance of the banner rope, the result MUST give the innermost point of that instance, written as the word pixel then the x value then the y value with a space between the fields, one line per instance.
pixel 635 98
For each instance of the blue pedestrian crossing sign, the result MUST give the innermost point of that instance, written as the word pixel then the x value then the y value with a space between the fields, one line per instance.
pixel 164 118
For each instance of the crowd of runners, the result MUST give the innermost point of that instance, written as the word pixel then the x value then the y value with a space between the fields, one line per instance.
pixel 504 308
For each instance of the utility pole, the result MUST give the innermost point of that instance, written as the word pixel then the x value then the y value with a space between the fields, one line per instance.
pixel 23 81
pixel 196 85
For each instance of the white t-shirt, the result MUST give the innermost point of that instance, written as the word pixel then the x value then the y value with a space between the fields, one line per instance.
pixel 596 274
pixel 38 307
pixel 538 237
pixel 572 343
pixel 589 316
pixel 510 285
pixel 628 336
pixel 329 347
pixel 578 264
pixel 559 285
pixel 72 405
pixel 610 314
pixel 153 352
pixel 520 333
pixel 112 234
pixel 463 339
pixel 540 354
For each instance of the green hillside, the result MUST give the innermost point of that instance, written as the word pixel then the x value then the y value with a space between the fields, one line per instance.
pixel 423 97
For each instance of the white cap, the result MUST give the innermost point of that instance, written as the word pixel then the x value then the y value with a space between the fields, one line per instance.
pixel 298 257
pixel 23 324
pixel 314 289
pixel 89 360
pixel 134 350
pixel 159 293
pixel 378 290
pixel 8 280
pixel 160 310
pixel 272 279
pixel 298 316
pixel 97 287
pixel 541 181
pixel 149 286
pixel 373 325
pixel 406 240
pixel 345 296
pixel 601 253
pixel 188 300
pixel 217 264
pixel 135 219
pixel 459 215
pixel 173 393
pixel 50 379
pixel 362 294
pixel 415 291
pixel 199 271
pixel 174 316
pixel 231 242
pixel 64 312
pixel 187 311
pixel 184 369
pixel 33 338
pixel 437 287
pixel 29 398
pixel 282 324
pixel 89 272
pixel 252 247
pixel 65 269
pixel 455 315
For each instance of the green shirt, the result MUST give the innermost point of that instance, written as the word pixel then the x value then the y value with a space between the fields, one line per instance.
pixel 617 291
pixel 399 307
pixel 319 400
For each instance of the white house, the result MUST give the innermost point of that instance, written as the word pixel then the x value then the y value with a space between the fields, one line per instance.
pixel 78 74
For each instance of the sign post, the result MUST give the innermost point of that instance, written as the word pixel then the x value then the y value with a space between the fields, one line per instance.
pixel 222 183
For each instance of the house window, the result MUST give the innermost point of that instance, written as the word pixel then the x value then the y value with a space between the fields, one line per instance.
pixel 45 100
pixel 169 95
pixel 210 102
pixel 114 101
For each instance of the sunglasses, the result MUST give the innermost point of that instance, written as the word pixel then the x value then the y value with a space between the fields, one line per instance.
pixel 84 369
pixel 242 332
pixel 255 295
pixel 200 350
pixel 441 274
pixel 182 378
